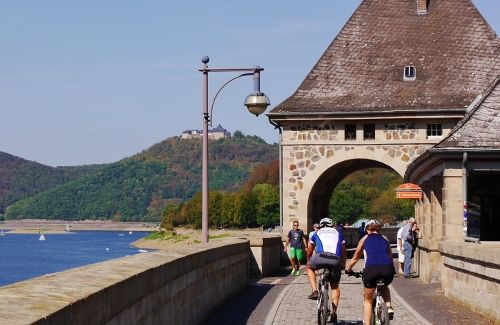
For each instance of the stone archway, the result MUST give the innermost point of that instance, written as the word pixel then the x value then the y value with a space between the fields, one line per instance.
pixel 311 170
pixel 321 191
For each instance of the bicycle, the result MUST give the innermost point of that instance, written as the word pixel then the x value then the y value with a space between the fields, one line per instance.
pixel 380 313
pixel 324 303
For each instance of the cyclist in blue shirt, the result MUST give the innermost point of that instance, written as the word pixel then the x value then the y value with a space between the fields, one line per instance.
pixel 378 265
pixel 331 253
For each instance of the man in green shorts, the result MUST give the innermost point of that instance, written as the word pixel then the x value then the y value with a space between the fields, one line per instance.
pixel 297 242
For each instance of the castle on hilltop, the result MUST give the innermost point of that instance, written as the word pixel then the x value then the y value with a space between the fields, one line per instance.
pixel 213 134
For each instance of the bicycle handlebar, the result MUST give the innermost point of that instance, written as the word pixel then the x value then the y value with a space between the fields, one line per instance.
pixel 352 273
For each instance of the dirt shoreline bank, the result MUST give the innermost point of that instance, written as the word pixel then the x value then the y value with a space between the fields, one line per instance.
pixel 181 237
pixel 62 226
pixel 187 237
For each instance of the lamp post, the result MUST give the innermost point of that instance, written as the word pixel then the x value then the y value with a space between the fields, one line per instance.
pixel 256 103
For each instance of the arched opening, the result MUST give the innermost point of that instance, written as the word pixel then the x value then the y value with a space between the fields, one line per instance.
pixel 327 182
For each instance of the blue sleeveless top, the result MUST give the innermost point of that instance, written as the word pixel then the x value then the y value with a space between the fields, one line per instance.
pixel 376 247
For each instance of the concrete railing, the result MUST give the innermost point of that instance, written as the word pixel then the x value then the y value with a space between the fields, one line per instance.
pixel 471 275
pixel 266 254
pixel 181 286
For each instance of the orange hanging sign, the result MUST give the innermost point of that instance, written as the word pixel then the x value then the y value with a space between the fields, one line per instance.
pixel 408 191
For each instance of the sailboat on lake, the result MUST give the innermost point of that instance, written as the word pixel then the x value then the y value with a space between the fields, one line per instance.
pixel 42 237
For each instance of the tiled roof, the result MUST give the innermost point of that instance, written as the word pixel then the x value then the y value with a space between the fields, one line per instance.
pixel 480 129
pixel 455 52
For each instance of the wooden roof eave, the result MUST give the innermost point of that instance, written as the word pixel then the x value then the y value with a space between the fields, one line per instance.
pixel 432 161
pixel 414 114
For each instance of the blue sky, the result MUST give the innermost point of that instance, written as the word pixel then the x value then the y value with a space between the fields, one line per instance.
pixel 96 81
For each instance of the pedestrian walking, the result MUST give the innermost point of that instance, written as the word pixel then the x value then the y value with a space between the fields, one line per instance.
pixel 407 237
pixel 311 233
pixel 399 242
pixel 340 227
pixel 315 228
pixel 297 242
pixel 361 230
pixel 415 232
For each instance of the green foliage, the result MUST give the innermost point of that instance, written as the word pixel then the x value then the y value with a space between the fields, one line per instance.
pixel 238 134
pixel 268 207
pixel 141 187
pixel 166 235
pixel 369 194
pixel 163 182
pixel 218 236
pixel 20 178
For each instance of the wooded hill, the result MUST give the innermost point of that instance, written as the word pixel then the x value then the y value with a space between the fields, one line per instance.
pixel 21 178
pixel 140 187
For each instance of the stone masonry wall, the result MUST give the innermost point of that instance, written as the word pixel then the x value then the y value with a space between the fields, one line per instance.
pixel 311 148
pixel 303 164
pixel 471 275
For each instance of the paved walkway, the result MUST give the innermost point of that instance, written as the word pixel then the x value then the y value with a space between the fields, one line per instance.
pixel 293 307
pixel 282 299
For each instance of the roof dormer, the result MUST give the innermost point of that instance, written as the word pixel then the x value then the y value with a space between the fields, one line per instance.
pixel 422 6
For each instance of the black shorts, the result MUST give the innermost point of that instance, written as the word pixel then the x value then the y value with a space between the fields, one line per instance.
pixel 372 273
pixel 327 260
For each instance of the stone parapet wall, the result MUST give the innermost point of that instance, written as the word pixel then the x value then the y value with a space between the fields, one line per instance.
pixel 266 255
pixel 430 261
pixel 181 286
pixel 471 275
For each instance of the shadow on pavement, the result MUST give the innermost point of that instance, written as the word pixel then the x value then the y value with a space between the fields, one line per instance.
pixel 237 309
pixel 251 305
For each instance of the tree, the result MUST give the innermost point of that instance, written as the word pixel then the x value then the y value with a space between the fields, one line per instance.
pixel 268 204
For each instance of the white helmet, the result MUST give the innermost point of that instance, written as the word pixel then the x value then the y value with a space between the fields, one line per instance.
pixel 372 222
pixel 326 222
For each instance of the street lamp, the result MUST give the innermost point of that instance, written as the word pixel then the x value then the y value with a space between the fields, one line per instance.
pixel 256 103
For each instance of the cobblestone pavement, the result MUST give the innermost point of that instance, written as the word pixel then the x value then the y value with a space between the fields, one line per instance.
pixel 282 299
pixel 293 307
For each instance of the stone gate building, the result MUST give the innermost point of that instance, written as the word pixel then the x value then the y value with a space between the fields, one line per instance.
pixel 390 88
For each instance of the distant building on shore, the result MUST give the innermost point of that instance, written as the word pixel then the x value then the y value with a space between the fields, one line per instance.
pixel 213 134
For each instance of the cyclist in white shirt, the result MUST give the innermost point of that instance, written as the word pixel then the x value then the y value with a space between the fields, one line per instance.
pixel 331 253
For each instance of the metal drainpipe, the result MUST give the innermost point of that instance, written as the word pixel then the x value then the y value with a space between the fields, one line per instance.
pixel 465 158
pixel 464 192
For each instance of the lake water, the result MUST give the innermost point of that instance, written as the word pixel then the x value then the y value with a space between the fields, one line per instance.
pixel 24 256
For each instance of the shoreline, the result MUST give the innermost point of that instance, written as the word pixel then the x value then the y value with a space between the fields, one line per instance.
pixel 180 237
pixel 188 237
pixel 48 226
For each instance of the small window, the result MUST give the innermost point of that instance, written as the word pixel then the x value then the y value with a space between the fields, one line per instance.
pixel 369 131
pixel 434 130
pixel 350 131
pixel 410 73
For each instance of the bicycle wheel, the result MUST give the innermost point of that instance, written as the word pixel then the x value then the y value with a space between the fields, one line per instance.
pixel 380 315
pixel 375 307
pixel 383 314
pixel 320 301
pixel 326 303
